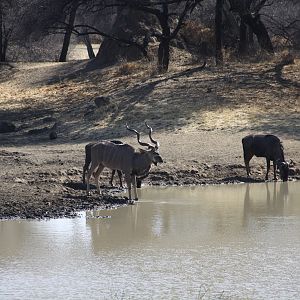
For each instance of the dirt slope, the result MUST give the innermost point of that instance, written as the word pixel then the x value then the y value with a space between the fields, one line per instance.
pixel 199 115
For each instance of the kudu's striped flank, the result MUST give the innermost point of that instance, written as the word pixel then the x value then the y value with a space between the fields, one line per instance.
pixel 125 158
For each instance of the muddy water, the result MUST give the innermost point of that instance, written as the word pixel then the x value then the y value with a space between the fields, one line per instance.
pixel 227 242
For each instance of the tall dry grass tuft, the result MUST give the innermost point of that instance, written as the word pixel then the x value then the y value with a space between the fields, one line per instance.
pixel 258 56
pixel 144 66
pixel 195 34
pixel 128 68
pixel 285 58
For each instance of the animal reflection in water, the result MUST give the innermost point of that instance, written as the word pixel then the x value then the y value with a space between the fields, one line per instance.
pixel 272 202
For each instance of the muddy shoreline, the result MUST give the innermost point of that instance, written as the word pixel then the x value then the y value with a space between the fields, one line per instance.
pixel 42 186
pixel 199 118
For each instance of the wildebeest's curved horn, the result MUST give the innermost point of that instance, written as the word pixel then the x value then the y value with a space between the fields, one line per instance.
pixel 150 136
pixel 138 137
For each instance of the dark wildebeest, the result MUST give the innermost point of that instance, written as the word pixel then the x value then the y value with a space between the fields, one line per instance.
pixel 268 146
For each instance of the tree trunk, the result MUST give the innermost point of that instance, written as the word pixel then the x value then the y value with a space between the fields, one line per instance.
pixel 243 40
pixel 130 25
pixel 88 44
pixel 67 37
pixel 260 31
pixel 4 48
pixel 250 38
pixel 219 32
pixel 163 55
pixel 2 55
pixel 230 19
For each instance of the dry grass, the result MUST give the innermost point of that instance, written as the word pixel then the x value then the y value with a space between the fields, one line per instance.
pixel 286 58
pixel 195 34
pixel 249 96
pixel 128 68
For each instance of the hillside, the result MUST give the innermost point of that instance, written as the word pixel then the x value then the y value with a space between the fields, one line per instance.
pixel 199 115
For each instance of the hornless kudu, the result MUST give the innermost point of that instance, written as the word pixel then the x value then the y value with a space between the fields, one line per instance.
pixel 88 161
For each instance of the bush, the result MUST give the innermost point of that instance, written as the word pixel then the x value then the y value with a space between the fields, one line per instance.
pixel 199 37
pixel 127 68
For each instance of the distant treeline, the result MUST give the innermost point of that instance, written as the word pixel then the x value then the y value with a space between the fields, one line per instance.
pixel 39 30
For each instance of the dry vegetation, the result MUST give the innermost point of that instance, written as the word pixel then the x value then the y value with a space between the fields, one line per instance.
pixel 199 116
pixel 248 96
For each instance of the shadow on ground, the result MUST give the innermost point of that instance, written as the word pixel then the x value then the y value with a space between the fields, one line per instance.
pixel 167 102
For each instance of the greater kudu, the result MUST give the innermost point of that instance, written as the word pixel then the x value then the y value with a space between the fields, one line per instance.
pixel 125 158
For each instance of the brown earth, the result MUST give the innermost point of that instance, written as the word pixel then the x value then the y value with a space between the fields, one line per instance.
pixel 199 115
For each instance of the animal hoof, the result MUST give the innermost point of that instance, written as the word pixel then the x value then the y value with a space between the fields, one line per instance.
pixel 130 202
pixel 136 199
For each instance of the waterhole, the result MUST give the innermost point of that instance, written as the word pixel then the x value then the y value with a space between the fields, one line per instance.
pixel 212 242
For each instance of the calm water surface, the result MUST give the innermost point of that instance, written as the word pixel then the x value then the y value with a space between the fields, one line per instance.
pixel 217 242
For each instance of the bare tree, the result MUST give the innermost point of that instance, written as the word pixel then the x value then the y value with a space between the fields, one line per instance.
pixel 219 31
pixel 249 12
pixel 68 30
pixel 11 13
pixel 88 44
pixel 42 15
pixel 127 39
pixel 165 12
pixel 3 33
pixel 283 21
